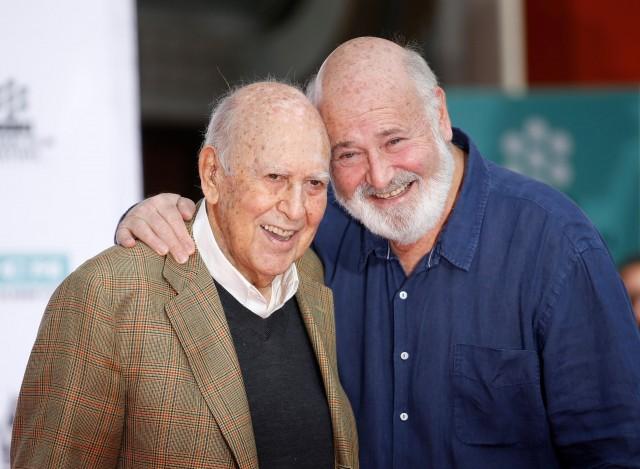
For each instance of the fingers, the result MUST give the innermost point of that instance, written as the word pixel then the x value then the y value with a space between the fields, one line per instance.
pixel 124 237
pixel 174 231
pixel 158 222
pixel 186 207
pixel 145 228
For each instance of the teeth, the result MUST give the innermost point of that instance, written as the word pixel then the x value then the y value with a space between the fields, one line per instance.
pixel 393 193
pixel 279 231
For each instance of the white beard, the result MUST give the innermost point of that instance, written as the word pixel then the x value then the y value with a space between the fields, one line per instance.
pixel 406 223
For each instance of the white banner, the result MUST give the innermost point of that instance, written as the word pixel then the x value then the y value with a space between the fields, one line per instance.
pixel 69 157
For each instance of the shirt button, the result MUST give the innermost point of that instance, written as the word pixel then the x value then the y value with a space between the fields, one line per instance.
pixel 404 355
pixel 403 295
pixel 404 416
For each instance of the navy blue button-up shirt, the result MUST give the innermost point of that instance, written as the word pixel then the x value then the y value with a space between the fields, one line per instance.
pixel 511 345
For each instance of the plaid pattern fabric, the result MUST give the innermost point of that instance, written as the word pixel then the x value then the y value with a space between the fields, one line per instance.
pixel 134 367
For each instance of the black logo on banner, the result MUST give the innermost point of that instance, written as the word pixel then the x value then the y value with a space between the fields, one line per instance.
pixel 18 140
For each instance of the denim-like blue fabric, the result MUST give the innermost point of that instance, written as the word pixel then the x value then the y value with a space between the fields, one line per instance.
pixel 511 345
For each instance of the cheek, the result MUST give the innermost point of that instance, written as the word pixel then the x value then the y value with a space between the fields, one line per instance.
pixel 242 216
pixel 347 179
pixel 420 159
pixel 252 201
pixel 315 211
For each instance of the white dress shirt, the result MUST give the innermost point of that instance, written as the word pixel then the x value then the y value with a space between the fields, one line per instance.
pixel 283 287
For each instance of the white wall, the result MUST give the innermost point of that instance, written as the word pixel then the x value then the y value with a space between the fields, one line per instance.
pixel 69 157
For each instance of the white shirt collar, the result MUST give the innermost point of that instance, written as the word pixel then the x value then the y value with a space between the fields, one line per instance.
pixel 283 287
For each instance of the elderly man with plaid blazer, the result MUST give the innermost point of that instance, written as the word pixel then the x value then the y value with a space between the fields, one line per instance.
pixel 226 361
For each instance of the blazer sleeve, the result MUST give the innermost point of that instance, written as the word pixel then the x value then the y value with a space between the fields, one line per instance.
pixel 70 410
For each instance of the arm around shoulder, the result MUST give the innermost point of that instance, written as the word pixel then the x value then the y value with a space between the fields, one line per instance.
pixel 159 221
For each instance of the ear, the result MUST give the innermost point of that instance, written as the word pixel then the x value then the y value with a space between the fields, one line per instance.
pixel 443 115
pixel 210 173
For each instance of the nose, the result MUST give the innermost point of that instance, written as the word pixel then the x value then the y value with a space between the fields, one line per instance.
pixel 380 172
pixel 292 202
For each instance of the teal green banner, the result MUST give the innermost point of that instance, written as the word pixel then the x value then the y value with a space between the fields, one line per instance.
pixel 585 143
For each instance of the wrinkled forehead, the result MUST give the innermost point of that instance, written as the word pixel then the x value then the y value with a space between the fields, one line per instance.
pixel 280 104
pixel 359 104
pixel 355 87
pixel 270 107
pixel 282 132
pixel 362 64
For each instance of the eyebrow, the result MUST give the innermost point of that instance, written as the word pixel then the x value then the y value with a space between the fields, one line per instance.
pixel 345 144
pixel 323 176
pixel 382 133
pixel 387 132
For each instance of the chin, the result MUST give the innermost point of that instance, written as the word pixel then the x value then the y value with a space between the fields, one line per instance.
pixel 277 268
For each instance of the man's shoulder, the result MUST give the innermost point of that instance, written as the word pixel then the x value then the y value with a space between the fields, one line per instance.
pixel 116 269
pixel 508 183
pixel 118 261
pixel 516 199
pixel 121 283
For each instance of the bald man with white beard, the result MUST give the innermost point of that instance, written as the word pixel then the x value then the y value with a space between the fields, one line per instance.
pixel 480 320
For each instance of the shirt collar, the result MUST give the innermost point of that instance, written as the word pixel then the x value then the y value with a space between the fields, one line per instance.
pixel 283 287
pixel 458 239
pixel 374 244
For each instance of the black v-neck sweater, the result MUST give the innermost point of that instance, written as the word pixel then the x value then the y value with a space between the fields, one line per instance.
pixel 287 400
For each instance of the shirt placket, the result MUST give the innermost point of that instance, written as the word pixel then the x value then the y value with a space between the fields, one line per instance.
pixel 401 372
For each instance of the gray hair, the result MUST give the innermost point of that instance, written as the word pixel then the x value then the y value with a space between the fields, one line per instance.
pixel 218 134
pixel 423 79
pixel 418 70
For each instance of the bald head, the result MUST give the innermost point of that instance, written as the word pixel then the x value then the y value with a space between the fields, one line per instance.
pixel 244 115
pixel 366 66
pixel 270 98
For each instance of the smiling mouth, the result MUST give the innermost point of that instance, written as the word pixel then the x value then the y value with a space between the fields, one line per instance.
pixel 394 193
pixel 278 233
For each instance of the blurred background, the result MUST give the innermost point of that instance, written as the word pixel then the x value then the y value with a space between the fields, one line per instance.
pixel 547 87
pixel 103 102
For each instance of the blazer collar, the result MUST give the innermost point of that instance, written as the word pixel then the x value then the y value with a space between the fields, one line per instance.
pixel 315 301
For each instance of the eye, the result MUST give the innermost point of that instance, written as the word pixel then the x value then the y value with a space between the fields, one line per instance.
pixel 274 176
pixel 346 156
pixel 394 141
pixel 316 183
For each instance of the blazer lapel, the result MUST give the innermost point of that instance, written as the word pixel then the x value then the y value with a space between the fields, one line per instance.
pixel 199 321
pixel 316 307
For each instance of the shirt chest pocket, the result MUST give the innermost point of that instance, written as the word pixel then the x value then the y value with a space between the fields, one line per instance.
pixel 497 397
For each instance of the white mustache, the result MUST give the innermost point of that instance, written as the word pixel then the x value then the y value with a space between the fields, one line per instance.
pixel 399 180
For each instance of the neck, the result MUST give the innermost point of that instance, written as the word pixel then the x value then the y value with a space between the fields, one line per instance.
pixel 410 254
pixel 266 291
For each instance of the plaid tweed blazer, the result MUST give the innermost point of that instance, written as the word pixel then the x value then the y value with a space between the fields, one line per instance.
pixel 134 367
